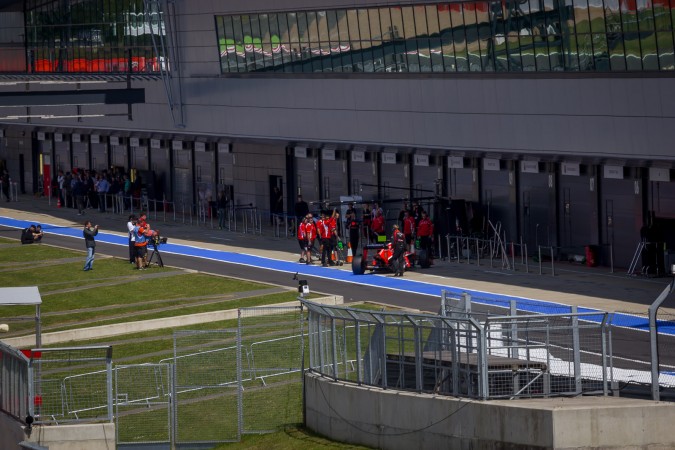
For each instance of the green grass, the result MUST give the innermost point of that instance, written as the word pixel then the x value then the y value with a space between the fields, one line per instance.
pixel 290 437
pixel 114 293
pixel 35 252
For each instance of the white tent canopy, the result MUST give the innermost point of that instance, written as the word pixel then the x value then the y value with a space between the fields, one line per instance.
pixel 24 296
pixel 13 296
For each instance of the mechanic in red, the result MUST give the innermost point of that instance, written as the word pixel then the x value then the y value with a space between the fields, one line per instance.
pixel 302 241
pixel 326 231
pixel 310 232
pixel 398 244
pixel 408 229
pixel 425 232
pixel 377 225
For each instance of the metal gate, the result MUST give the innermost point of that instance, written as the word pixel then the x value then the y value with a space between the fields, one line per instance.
pixel 143 406
pixel 217 386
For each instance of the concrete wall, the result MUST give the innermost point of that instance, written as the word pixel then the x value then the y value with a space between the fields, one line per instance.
pixel 402 420
pixel 100 436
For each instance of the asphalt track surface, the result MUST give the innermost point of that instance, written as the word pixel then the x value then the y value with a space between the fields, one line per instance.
pixel 629 337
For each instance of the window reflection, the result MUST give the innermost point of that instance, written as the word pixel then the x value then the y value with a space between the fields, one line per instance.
pixel 479 36
pixel 102 36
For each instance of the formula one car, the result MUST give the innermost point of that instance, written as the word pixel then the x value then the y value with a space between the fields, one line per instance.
pixel 377 257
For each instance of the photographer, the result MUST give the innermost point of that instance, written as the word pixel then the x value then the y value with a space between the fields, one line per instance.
pixel 31 234
pixel 89 233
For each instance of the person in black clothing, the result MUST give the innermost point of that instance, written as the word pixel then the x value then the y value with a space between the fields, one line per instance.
pixel 31 234
pixel 4 185
pixel 352 225
pixel 398 243
pixel 221 206
pixel 79 192
pixel 301 211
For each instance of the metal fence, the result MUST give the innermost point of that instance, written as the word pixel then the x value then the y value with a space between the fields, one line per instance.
pixel 218 385
pixel 71 384
pixel 496 251
pixel 500 357
pixel 14 382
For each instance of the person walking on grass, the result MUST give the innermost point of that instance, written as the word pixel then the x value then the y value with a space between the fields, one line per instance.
pixel 89 233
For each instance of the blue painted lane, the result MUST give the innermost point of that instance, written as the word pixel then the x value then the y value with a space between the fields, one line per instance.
pixel 385 282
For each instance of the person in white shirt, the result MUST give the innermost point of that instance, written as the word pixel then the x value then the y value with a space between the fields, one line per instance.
pixel 131 224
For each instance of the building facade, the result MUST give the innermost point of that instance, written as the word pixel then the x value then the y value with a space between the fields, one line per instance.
pixel 553 118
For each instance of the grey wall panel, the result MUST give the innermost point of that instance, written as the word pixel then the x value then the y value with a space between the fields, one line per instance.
pixel 662 199
pixel 308 177
pixel 99 156
pixel 536 226
pixel 620 203
pixel 580 217
pixel 139 158
pixel 62 156
pixel 500 207
pixel 119 156
pixel 365 173
pixel 81 155
pixel 334 179
pixel 461 184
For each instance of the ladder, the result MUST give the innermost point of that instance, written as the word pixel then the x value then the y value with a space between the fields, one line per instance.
pixel 498 247
pixel 636 257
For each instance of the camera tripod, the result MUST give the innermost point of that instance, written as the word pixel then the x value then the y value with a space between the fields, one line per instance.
pixel 155 255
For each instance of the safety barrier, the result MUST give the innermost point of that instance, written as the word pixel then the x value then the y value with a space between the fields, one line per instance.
pixel 15 382
pixel 459 355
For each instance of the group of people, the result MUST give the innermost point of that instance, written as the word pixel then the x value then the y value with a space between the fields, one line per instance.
pixel 325 229
pixel 32 234
pixel 81 188
pixel 140 234
pixel 414 229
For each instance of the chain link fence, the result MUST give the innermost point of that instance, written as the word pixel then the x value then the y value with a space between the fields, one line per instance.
pixel 272 352
pixel 71 384
pixel 143 405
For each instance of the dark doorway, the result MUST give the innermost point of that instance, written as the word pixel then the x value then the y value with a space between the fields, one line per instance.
pixel 276 197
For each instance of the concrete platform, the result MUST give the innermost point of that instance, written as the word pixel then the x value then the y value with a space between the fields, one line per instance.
pixel 396 420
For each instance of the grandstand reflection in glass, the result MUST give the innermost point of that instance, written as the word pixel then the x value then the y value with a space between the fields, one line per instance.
pixel 505 36
pixel 80 36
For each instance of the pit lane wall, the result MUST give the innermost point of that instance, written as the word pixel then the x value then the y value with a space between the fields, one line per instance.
pixel 394 420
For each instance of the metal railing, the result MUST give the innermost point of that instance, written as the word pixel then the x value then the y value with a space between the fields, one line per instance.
pixel 71 385
pixel 499 357
pixel 15 382
pixel 515 256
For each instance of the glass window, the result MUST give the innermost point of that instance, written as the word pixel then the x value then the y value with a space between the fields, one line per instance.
pixel 455 48
pixel 666 50
pixel 617 57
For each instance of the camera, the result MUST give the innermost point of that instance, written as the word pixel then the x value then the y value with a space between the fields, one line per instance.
pixel 157 240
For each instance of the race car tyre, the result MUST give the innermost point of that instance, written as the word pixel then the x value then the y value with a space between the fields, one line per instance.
pixel 423 259
pixel 358 265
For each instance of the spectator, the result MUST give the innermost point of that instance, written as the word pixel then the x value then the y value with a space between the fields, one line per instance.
pixel 102 187
pixel 221 205
pixel 131 224
pixel 89 232
pixel 31 235
pixel 4 184
pixel 301 209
